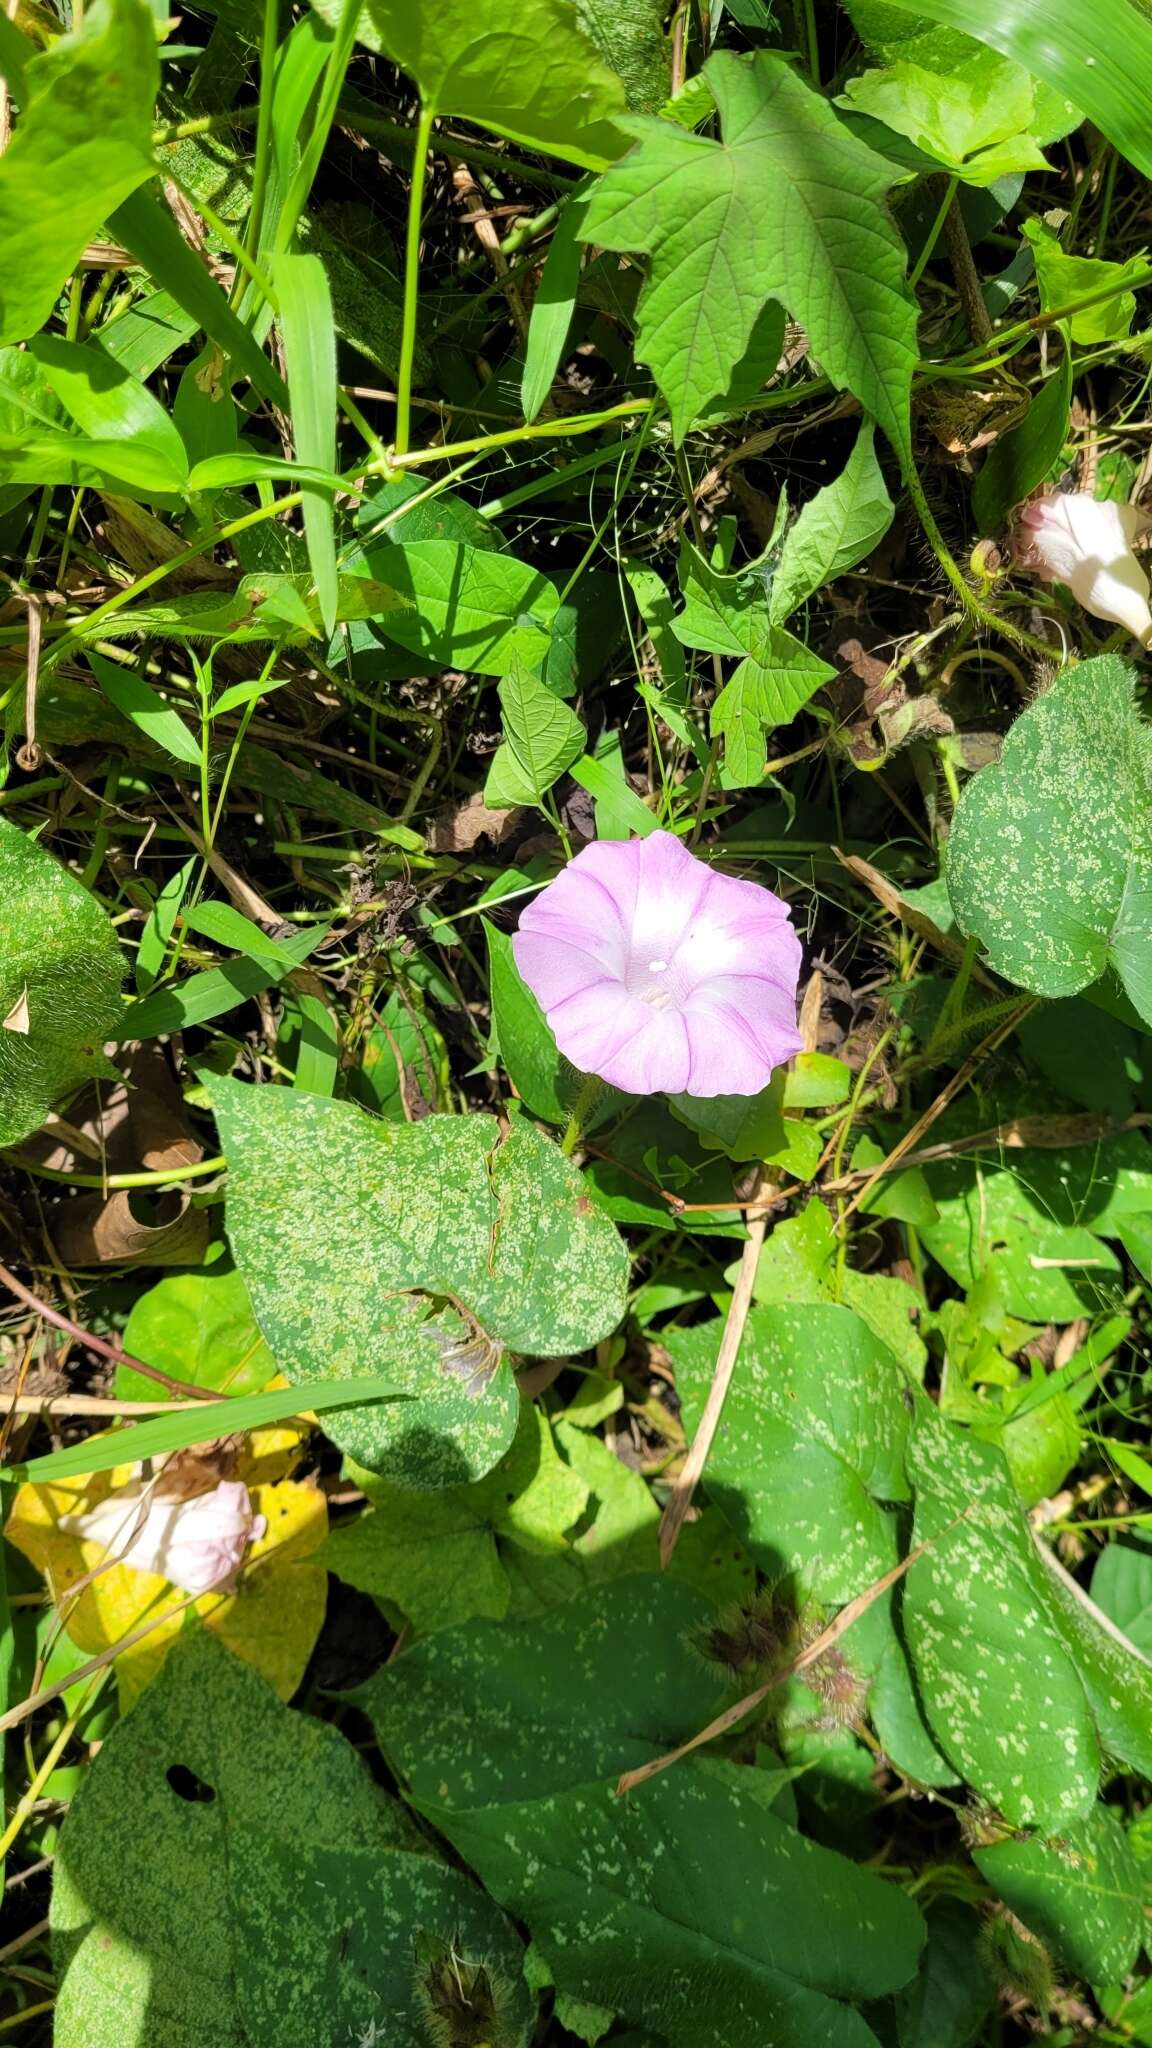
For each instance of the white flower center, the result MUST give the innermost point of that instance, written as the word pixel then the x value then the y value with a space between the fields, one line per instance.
pixel 656 982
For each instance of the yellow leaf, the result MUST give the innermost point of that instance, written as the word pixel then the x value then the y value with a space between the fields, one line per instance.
pixel 271 1618
pixel 272 1453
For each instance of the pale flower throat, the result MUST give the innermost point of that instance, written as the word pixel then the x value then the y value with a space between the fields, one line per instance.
pixel 659 983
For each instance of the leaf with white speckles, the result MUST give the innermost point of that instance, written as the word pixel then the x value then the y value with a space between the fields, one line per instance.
pixel 798 1263
pixel 1082 1893
pixel 1050 858
pixel 812 1442
pixel 1118 1683
pixel 499 1711
pixel 345 1229
pixel 228 1872
pixel 1000 1690
pixel 60 974
pixel 693 1909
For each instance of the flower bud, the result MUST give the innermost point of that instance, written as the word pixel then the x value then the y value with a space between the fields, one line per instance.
pixel 195 1544
pixel 1067 537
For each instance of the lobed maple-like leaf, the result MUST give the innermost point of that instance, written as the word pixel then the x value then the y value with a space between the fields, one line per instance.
pixel 788 206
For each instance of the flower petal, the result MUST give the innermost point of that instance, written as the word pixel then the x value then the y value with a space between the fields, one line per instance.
pixel 725 1060
pixel 628 1043
pixel 556 970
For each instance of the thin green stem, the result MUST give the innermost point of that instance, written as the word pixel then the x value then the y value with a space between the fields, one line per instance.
pixel 812 42
pixel 205 124
pixel 623 484
pixel 548 806
pixel 238 736
pixel 1021 329
pixel 412 279
pixel 168 1178
pixel 204 691
pixel 934 233
pixel 994 621
pixel 591 1087
pixel 26 1806
pixel 543 430
pixel 1106 198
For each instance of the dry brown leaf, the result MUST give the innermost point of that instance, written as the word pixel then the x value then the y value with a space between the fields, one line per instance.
pixel 103 1230
pixel 457 829
pixel 137 1123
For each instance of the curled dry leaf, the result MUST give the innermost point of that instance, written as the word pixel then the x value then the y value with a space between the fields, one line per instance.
pixel 135 1123
pixel 18 1018
pixel 131 1228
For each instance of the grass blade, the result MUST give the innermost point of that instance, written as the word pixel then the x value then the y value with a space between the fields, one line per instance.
pixel 199 1424
pixel 309 334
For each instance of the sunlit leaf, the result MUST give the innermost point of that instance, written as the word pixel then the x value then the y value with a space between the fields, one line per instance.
pixel 812 1445
pixel 433 1248
pixel 975 122
pixel 542 737
pixel 146 709
pixel 1063 279
pixel 462 606
pixel 788 206
pixel 732 614
pixel 1099 56
pixel 436 1555
pixel 1000 1690
pixel 310 353
pixel 199 1327
pixel 836 529
pixel 1083 1893
pixel 482 62
pixel 1050 857
pixel 679 1887
pixel 65 169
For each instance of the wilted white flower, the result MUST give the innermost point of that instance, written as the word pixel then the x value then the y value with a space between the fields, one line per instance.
pixel 1067 537
pixel 195 1544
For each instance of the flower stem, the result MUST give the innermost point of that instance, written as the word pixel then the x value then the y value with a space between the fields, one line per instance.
pixel 993 621
pixel 590 1087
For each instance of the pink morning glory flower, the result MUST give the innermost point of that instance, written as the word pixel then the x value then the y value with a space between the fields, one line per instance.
pixel 655 971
